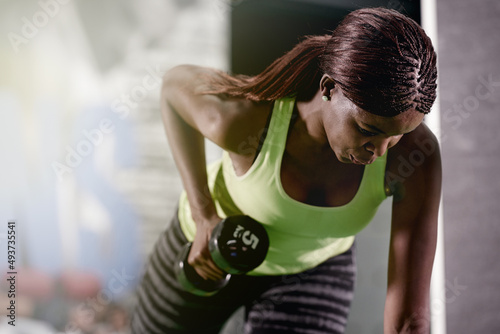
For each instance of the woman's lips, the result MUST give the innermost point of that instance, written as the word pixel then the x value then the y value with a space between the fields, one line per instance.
pixel 358 162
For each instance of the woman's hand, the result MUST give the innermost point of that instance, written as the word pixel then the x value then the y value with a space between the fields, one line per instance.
pixel 199 256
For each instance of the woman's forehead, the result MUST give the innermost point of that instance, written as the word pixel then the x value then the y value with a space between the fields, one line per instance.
pixel 395 125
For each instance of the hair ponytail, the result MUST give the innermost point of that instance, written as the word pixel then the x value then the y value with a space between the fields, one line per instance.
pixel 294 72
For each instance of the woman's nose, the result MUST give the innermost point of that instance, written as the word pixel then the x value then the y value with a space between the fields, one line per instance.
pixel 378 147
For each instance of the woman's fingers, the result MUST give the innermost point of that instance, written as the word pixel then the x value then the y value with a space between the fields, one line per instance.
pixel 199 257
pixel 204 266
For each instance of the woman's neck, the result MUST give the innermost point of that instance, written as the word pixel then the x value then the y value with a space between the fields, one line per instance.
pixel 309 123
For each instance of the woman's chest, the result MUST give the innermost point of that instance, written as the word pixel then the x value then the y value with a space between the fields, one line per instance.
pixel 308 176
pixel 319 182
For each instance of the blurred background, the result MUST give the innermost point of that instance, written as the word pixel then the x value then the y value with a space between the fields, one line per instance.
pixel 87 181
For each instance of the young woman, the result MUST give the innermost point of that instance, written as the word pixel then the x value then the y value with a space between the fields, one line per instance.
pixel 312 146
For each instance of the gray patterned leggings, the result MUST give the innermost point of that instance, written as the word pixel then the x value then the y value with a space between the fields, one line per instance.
pixel 315 301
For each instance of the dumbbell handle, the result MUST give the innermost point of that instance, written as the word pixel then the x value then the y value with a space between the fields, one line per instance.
pixel 191 281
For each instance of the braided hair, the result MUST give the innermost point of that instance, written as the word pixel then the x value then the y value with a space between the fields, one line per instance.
pixel 381 59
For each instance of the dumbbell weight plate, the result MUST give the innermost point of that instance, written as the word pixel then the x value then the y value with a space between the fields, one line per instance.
pixel 238 244
pixel 191 281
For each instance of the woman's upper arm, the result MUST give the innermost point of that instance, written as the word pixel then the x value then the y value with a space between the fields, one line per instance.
pixel 415 176
pixel 218 119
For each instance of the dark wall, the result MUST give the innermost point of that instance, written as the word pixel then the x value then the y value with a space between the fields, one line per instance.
pixel 262 30
pixel 469 49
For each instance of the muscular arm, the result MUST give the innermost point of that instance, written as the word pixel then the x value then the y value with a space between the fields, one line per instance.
pixel 188 118
pixel 415 172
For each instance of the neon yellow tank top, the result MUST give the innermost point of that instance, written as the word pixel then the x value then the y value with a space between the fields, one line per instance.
pixel 301 235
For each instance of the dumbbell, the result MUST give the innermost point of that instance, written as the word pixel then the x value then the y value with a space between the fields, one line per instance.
pixel 237 245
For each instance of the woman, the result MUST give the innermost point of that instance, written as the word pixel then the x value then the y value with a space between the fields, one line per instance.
pixel 312 146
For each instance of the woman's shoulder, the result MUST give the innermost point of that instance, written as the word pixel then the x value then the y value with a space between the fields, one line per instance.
pixel 420 141
pixel 415 159
pixel 229 121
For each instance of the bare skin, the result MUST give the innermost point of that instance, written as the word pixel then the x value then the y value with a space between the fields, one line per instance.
pixel 327 147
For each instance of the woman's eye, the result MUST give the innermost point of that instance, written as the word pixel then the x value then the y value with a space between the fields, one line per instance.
pixel 366 132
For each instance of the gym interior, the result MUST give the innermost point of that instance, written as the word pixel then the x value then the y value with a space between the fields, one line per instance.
pixel 88 181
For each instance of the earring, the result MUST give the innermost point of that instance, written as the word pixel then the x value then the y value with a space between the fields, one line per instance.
pixel 325 98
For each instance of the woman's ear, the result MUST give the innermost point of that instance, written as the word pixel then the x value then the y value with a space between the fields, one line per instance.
pixel 326 86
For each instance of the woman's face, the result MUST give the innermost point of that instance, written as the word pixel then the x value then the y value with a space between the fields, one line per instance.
pixel 359 137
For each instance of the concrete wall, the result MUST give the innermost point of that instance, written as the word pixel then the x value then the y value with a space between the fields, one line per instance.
pixel 469 47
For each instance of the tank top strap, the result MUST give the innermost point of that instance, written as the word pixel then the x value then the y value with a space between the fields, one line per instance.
pixel 275 140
